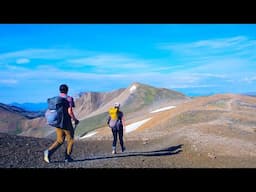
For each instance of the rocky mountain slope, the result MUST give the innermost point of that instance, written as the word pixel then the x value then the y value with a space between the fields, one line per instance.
pixel 219 125
pixel 136 100
pixel 206 132
pixel 214 131
pixel 132 99
pixel 15 120
pixel 88 102
pixel 91 109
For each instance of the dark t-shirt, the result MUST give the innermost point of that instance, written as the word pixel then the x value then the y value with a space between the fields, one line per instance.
pixel 71 101
pixel 65 122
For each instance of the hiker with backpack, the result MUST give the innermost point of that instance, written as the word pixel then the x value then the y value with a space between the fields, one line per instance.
pixel 62 105
pixel 116 122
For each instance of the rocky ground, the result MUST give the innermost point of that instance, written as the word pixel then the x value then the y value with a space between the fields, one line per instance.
pixel 27 152
pixel 209 132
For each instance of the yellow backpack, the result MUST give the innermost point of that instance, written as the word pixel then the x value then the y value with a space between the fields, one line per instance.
pixel 113 113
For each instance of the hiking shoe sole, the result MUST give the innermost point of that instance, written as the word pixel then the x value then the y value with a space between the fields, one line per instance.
pixel 46 156
pixel 69 160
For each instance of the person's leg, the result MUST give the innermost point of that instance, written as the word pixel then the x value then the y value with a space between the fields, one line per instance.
pixel 59 141
pixel 70 141
pixel 120 134
pixel 114 132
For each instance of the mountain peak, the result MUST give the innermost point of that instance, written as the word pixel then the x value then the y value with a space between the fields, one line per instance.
pixel 135 84
pixel 133 87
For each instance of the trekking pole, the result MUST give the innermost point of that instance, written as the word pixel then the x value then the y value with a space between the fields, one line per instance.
pixel 75 125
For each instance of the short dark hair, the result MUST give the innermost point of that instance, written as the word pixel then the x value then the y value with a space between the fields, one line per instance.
pixel 63 88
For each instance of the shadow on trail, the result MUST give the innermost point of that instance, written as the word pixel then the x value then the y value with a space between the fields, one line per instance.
pixel 167 151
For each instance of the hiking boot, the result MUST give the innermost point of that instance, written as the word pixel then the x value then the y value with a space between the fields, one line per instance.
pixel 68 159
pixel 113 149
pixel 123 149
pixel 46 156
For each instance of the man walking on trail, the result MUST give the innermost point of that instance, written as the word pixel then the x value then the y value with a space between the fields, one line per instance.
pixel 65 127
pixel 116 122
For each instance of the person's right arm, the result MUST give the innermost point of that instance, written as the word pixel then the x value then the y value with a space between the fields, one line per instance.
pixel 70 109
pixel 72 115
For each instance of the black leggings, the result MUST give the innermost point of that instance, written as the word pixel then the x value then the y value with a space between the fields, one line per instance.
pixel 120 134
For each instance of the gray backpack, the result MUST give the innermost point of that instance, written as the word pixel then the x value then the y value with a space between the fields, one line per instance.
pixel 115 120
pixel 54 112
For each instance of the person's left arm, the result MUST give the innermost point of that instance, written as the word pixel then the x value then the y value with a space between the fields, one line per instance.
pixel 123 122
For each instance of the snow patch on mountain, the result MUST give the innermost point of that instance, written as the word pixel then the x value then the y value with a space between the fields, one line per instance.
pixel 89 135
pixel 163 109
pixel 133 88
pixel 135 125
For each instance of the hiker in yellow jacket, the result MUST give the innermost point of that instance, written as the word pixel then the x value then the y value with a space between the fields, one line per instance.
pixel 116 123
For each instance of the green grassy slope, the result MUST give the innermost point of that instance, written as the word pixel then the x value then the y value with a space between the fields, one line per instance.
pixel 91 124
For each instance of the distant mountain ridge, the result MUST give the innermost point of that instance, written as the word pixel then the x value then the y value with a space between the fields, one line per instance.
pixel 88 102
pixel 15 120
pixel 253 94
pixel 135 100
pixel 91 109
pixel 35 107
pixel 21 111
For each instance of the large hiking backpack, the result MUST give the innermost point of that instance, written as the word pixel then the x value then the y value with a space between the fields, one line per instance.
pixel 54 114
pixel 114 122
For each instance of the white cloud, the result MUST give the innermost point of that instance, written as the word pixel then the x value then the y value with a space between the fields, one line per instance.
pixel 101 59
pixel 109 68
pixel 185 78
pixel 8 81
pixel 112 62
pixel 181 79
pixel 71 58
pixel 219 60
pixel 237 42
pixel 182 86
pixel 22 61
pixel 249 79
pixel 220 43
pixel 224 67
pixel 98 63
pixel 51 73
pixel 210 75
pixel 213 49
pixel 42 54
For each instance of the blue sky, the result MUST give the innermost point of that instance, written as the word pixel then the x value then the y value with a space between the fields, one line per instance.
pixel 195 59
